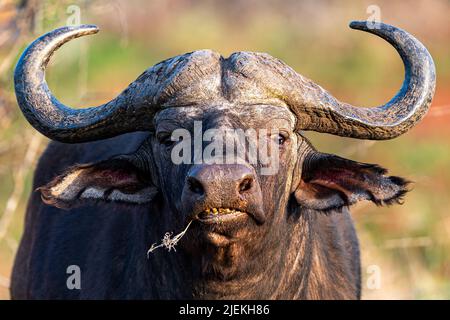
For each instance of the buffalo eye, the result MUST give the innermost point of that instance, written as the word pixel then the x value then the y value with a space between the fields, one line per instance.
pixel 281 139
pixel 165 139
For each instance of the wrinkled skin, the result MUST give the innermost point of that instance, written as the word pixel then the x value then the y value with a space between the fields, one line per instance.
pixel 304 249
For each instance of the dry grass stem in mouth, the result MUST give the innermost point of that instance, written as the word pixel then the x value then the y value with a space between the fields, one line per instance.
pixel 168 242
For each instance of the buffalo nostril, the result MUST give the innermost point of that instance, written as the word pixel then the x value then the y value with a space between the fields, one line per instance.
pixel 195 186
pixel 245 184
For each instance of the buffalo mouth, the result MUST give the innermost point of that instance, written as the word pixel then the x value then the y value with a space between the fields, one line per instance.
pixel 219 215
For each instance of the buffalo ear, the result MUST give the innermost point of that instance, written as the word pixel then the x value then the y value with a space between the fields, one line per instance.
pixel 109 180
pixel 329 182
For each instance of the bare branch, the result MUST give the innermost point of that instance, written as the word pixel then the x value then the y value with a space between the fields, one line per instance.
pixel 19 184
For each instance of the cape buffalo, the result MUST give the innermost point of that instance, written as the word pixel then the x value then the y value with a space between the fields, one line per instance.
pixel 107 187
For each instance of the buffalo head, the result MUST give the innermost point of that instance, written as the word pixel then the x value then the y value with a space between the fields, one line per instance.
pixel 237 210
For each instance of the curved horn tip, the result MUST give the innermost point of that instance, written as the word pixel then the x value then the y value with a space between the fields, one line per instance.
pixel 360 24
pixel 89 28
pixel 370 26
pixel 77 30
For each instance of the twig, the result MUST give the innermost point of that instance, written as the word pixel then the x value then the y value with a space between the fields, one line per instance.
pixel 19 179
pixel 168 242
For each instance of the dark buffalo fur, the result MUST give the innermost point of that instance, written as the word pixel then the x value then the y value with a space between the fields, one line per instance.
pixel 317 257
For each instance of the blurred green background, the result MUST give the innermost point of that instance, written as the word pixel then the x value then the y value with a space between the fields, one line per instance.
pixel 408 245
